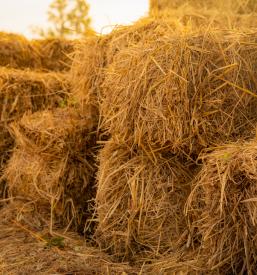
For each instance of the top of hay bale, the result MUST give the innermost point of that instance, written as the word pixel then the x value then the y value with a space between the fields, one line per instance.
pixel 24 91
pixel 238 6
pixel 47 55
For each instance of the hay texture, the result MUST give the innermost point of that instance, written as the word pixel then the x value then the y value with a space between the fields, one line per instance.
pixel 29 250
pixel 183 91
pixel 53 163
pixel 233 6
pixel 222 208
pixel 94 55
pixel 28 91
pixel 50 54
pixel 191 18
pixel 140 203
pixel 55 54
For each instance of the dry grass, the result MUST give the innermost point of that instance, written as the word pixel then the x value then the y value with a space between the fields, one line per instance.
pixel 192 18
pixel 53 163
pixel 18 52
pixel 233 6
pixel 26 92
pixel 29 91
pixel 140 203
pixel 93 55
pixel 222 208
pixel 171 90
pixel 30 250
pixel 55 54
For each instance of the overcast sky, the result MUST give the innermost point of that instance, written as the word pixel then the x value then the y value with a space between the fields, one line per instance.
pixel 20 15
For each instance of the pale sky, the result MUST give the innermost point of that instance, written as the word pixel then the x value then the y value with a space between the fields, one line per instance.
pixel 20 15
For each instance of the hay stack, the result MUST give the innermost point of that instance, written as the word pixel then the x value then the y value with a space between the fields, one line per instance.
pixel 52 163
pixel 94 55
pixel 171 90
pixel 238 6
pixel 25 92
pixel 19 53
pixel 55 54
pixel 140 203
pixel 28 91
pixel 222 208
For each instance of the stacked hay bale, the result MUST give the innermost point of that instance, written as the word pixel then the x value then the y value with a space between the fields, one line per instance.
pixel 49 55
pixel 180 94
pixel 33 76
pixel 222 208
pixel 26 92
pixel 140 202
pixel 163 94
pixel 51 164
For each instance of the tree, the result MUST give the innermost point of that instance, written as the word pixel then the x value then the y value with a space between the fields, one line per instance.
pixel 78 18
pixel 68 18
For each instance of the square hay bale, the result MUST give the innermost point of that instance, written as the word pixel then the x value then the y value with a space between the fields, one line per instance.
pixel 185 91
pixel 94 55
pixel 53 163
pixel 50 54
pixel 55 54
pixel 17 52
pixel 222 208
pixel 140 203
pixel 29 91
pixel 26 92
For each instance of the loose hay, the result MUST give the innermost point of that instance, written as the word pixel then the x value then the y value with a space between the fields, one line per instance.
pixel 27 250
pixel 140 203
pixel 222 208
pixel 171 90
pixel 52 163
pixel 19 53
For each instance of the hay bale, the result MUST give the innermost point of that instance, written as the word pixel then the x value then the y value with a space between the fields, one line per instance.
pixel 28 91
pixel 94 55
pixel 222 208
pixel 85 73
pixel 19 53
pixel 55 54
pixel 171 90
pixel 140 203
pixel 238 6
pixel 192 18
pixel 6 143
pixel 53 163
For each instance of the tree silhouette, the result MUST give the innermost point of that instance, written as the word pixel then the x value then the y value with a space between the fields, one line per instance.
pixel 68 19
